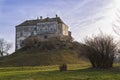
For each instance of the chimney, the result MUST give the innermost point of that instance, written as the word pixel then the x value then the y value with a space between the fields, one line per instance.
pixel 37 18
pixel 56 15
pixel 40 17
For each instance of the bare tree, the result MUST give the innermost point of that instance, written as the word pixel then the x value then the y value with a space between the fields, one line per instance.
pixel 4 47
pixel 100 50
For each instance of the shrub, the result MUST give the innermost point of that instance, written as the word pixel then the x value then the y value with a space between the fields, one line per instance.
pixel 63 67
pixel 100 50
pixel 50 44
pixel 31 41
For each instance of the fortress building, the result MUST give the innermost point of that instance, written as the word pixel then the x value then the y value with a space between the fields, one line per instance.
pixel 45 28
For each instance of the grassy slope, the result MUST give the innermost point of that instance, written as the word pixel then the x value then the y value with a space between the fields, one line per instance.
pixel 75 72
pixel 79 71
pixel 36 57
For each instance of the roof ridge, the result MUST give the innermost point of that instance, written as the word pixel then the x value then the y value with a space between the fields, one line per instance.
pixel 35 21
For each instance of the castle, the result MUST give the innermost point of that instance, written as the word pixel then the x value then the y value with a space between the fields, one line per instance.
pixel 45 28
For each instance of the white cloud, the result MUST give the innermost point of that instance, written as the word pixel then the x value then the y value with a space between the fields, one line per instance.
pixel 102 20
pixel 85 17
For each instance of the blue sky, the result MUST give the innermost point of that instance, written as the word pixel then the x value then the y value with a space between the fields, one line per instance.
pixel 84 17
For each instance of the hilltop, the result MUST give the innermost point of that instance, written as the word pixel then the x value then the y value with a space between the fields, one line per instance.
pixel 35 53
pixel 36 57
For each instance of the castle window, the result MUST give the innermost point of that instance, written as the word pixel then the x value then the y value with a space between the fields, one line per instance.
pixel 21 34
pixel 26 29
pixel 46 30
pixel 34 32
pixel 35 29
pixel 21 42
pixel 45 37
pixel 51 29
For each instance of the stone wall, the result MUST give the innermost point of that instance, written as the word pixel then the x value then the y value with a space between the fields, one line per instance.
pixel 44 30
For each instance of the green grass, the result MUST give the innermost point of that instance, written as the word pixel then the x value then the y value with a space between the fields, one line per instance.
pixel 37 58
pixel 75 72
pixel 31 60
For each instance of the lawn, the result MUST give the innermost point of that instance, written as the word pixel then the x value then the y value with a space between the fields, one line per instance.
pixel 75 72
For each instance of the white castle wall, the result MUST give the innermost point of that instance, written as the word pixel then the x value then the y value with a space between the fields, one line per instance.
pixel 49 29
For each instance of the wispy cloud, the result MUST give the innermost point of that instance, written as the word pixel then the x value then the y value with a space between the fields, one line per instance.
pixel 84 17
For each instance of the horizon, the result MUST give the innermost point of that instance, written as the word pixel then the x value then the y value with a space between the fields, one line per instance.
pixel 84 17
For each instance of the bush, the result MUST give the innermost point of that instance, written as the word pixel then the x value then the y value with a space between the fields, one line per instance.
pixel 31 41
pixel 50 44
pixel 63 67
pixel 100 50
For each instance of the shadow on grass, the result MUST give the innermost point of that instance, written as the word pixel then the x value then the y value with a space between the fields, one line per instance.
pixel 87 70
pixel 114 69
pixel 80 74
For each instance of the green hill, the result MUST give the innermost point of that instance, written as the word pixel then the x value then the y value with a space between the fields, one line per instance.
pixel 37 57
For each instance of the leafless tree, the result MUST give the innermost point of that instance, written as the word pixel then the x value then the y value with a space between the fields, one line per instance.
pixel 4 47
pixel 100 50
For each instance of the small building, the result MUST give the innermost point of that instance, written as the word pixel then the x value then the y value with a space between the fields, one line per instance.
pixel 45 28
